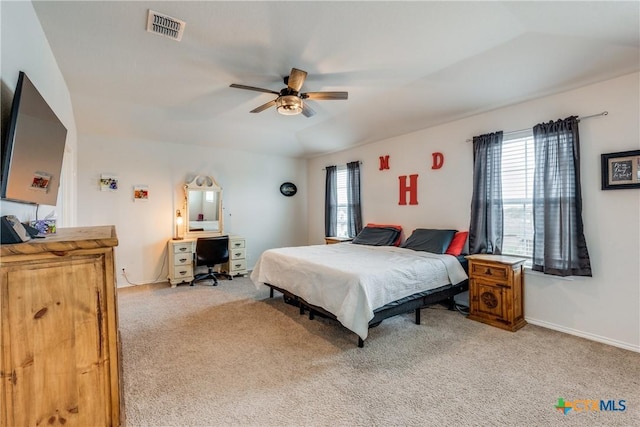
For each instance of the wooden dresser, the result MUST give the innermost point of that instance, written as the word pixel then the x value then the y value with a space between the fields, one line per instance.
pixel 60 359
pixel 495 290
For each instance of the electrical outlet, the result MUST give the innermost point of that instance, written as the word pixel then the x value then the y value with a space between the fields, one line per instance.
pixel 123 272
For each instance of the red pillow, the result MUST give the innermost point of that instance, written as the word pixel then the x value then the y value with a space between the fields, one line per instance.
pixel 397 227
pixel 457 243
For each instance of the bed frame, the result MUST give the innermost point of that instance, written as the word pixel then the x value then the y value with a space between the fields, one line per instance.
pixel 415 302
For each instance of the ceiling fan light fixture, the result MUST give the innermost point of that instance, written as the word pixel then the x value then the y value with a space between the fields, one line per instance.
pixel 289 105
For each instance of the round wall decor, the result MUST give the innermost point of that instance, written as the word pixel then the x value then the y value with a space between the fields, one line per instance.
pixel 288 189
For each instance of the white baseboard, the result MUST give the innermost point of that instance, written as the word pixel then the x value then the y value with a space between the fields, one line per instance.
pixel 586 335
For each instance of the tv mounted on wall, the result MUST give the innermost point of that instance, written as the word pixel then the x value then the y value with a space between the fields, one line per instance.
pixel 33 149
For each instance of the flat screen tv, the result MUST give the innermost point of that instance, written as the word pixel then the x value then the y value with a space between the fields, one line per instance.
pixel 33 149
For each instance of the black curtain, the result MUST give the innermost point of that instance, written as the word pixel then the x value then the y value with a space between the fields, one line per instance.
pixel 331 201
pixel 486 228
pixel 559 245
pixel 354 209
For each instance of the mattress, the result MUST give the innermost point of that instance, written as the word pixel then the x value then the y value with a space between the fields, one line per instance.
pixel 351 281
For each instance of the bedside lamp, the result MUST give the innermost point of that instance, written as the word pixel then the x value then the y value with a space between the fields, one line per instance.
pixel 178 225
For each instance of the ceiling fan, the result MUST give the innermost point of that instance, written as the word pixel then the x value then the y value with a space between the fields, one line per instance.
pixel 290 101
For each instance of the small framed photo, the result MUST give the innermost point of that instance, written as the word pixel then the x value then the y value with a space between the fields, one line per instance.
pixel 141 193
pixel 108 182
pixel 621 170
pixel 40 181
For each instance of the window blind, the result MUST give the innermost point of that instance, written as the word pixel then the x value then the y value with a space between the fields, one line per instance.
pixel 341 184
pixel 518 163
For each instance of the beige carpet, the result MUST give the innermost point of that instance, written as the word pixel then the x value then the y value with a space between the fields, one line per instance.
pixel 230 356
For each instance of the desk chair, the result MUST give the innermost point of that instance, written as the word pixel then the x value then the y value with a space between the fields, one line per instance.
pixel 211 251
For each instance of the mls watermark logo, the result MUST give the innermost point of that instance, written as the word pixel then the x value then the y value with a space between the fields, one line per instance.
pixel 591 405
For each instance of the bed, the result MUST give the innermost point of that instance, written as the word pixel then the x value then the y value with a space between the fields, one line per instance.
pixel 361 284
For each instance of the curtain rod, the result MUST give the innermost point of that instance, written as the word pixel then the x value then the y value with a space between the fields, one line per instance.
pixel 359 162
pixel 604 113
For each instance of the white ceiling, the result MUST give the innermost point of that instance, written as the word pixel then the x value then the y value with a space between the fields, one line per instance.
pixel 406 65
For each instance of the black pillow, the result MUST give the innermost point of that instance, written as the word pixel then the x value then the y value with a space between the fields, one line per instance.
pixel 429 240
pixel 377 236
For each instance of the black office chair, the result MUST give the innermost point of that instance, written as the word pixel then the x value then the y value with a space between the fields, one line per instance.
pixel 211 251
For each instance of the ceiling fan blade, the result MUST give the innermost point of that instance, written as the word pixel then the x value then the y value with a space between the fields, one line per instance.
pixel 264 106
pixel 324 95
pixel 307 111
pixel 257 89
pixel 296 79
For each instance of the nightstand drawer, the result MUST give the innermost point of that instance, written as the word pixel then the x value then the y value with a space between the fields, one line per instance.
pixel 237 253
pixel 489 271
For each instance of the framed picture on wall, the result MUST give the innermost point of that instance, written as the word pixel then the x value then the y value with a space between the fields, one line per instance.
pixel 621 170
pixel 140 193
pixel 108 182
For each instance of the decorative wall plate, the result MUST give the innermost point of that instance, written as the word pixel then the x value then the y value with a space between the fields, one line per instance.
pixel 288 189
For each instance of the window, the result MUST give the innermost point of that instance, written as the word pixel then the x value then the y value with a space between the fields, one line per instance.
pixel 341 187
pixel 518 162
pixel 342 207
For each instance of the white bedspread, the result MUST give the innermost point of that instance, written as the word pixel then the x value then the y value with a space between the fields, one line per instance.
pixel 351 281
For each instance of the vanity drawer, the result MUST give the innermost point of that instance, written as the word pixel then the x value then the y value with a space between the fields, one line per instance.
pixel 184 271
pixel 490 271
pixel 238 253
pixel 235 244
pixel 182 248
pixel 237 265
pixel 180 259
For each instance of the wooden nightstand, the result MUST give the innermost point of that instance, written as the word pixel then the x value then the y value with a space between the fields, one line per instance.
pixel 332 240
pixel 495 290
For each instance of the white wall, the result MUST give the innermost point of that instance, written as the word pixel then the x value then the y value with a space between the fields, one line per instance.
pixel 253 205
pixel 605 307
pixel 25 48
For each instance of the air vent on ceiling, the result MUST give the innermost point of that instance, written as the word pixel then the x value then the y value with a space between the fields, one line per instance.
pixel 165 25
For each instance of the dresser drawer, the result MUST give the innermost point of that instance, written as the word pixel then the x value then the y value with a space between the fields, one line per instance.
pixel 489 271
pixel 180 259
pixel 237 265
pixel 237 253
pixel 186 247
pixel 235 244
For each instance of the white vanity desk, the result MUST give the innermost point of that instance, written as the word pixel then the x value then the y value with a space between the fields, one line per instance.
pixel 203 218
pixel 180 257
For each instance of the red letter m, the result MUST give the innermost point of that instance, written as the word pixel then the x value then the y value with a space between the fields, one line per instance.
pixel 412 189
pixel 384 162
